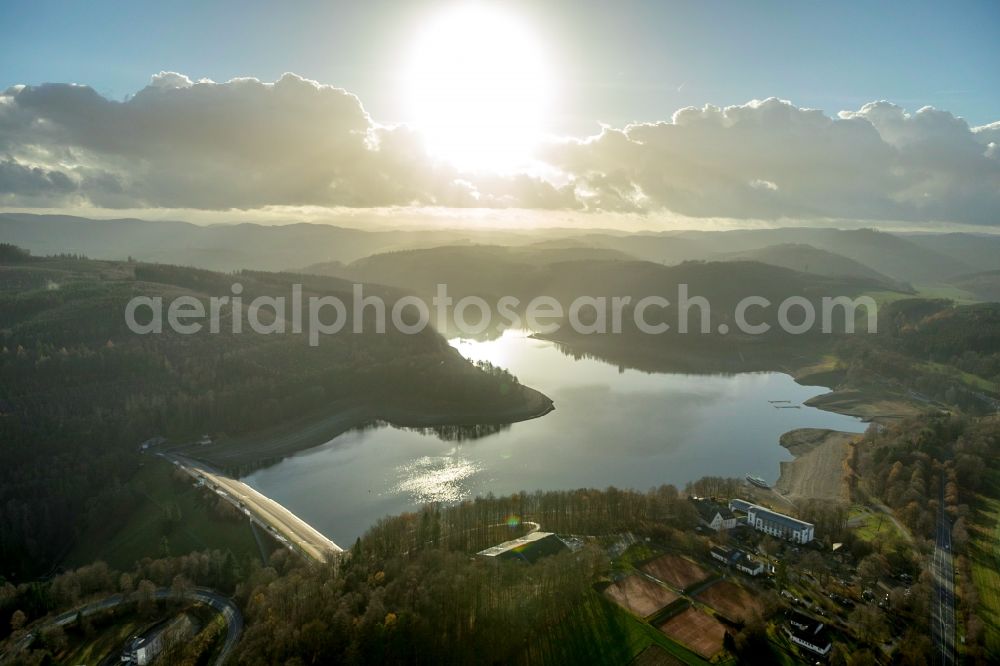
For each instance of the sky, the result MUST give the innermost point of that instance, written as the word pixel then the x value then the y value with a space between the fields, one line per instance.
pixel 597 70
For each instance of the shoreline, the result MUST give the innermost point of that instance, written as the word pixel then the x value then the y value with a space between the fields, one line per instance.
pixel 817 471
pixel 265 447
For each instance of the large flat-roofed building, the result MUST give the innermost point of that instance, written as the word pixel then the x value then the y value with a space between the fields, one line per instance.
pixel 528 548
pixel 740 505
pixel 776 524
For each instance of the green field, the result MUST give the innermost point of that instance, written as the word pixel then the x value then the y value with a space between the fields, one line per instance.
pixel 633 555
pixel 597 631
pixel 195 525
pixel 984 555
pixel 949 292
pixel 868 523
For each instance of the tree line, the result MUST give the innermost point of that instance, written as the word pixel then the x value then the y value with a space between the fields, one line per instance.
pixel 79 391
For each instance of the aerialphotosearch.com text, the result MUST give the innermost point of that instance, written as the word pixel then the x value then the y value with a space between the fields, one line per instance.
pixel 317 316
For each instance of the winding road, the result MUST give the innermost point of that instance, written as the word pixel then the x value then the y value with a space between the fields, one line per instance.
pixel 225 606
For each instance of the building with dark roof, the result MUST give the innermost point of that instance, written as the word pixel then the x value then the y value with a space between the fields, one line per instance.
pixel 719 553
pixel 737 558
pixel 806 632
pixel 750 565
pixel 529 548
pixel 713 515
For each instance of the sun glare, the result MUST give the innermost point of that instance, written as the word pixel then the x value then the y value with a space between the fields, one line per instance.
pixel 477 86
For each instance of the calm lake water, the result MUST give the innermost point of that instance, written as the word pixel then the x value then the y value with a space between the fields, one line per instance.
pixel 624 428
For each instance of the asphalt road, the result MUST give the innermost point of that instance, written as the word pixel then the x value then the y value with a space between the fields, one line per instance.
pixel 289 528
pixel 943 602
pixel 232 615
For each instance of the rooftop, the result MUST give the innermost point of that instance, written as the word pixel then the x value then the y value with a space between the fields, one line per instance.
pixel 820 637
pixel 740 505
pixel 707 509
pixel 773 516
pixel 732 555
pixel 530 547
pixel 804 624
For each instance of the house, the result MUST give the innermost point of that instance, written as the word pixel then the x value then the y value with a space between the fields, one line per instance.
pixel 205 440
pixel 529 548
pixel 750 566
pixel 713 515
pixel 738 559
pixel 806 632
pixel 775 524
pixel 719 553
pixel 728 556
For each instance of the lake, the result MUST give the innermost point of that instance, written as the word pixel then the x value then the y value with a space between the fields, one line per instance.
pixel 611 427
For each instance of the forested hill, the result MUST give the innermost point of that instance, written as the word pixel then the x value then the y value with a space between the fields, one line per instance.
pixel 491 271
pixel 79 391
pixel 809 259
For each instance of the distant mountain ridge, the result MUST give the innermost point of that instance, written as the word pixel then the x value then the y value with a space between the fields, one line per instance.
pixel 809 259
pixel 984 286
pixel 903 258
pixel 491 272
pixel 895 256
pixel 225 247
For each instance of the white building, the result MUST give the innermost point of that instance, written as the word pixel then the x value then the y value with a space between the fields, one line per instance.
pixel 740 559
pixel 528 548
pixel 714 516
pixel 750 566
pixel 809 633
pixel 774 523
pixel 724 555
pixel 144 649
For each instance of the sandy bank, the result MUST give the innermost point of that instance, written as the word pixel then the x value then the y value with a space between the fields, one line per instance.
pixel 868 404
pixel 818 469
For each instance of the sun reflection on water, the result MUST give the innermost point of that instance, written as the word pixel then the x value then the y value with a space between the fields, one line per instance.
pixel 436 478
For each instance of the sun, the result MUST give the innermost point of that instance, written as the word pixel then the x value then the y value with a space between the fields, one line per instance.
pixel 478 87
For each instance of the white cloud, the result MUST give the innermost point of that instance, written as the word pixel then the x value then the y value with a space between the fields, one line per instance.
pixel 239 144
pixel 760 184
pixel 770 159
pixel 248 144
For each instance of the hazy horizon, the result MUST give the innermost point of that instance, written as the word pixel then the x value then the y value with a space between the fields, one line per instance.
pixel 481 114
